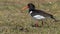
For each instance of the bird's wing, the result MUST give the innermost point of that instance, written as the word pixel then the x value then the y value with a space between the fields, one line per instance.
pixel 43 13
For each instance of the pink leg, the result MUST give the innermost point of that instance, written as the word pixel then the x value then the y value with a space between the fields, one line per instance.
pixel 42 23
pixel 36 24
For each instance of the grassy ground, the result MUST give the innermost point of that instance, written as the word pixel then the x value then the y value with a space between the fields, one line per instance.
pixel 12 19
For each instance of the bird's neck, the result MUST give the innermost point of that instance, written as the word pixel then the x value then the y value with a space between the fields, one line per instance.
pixel 31 9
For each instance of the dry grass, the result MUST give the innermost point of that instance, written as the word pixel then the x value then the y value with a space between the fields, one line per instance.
pixel 11 17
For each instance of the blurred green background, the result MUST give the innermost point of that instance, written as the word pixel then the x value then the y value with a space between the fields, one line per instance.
pixel 12 18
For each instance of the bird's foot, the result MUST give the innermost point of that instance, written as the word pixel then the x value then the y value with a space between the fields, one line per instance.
pixel 35 25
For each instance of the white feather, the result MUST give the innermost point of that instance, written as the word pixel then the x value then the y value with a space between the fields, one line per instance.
pixel 30 12
pixel 38 17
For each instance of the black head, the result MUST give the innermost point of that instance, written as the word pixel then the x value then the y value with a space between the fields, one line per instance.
pixel 31 6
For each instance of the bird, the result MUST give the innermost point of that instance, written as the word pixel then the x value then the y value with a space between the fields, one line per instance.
pixel 38 14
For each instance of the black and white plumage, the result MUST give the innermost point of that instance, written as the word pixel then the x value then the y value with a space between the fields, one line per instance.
pixel 38 14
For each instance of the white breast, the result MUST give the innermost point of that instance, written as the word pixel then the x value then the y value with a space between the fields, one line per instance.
pixel 38 17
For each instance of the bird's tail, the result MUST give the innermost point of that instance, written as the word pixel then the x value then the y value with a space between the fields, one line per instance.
pixel 51 16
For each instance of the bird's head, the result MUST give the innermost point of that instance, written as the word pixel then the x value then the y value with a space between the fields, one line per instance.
pixel 30 6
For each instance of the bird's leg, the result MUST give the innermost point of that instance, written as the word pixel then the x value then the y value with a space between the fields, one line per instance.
pixel 36 23
pixel 42 22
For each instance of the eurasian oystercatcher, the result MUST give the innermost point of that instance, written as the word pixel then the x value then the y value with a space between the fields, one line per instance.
pixel 38 14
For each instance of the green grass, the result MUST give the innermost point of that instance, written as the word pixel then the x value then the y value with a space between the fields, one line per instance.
pixel 12 18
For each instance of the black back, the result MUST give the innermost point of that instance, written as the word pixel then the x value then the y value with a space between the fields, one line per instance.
pixel 40 12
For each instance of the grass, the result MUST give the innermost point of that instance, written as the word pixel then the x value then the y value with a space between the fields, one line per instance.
pixel 11 17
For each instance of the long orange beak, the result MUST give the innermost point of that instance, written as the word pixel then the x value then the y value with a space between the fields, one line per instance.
pixel 24 8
